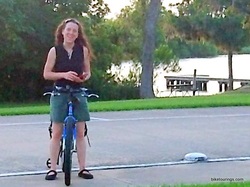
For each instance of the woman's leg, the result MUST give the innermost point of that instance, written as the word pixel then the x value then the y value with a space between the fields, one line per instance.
pixel 81 145
pixel 81 151
pixel 55 144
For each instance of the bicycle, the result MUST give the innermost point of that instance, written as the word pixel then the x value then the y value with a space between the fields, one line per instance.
pixel 68 139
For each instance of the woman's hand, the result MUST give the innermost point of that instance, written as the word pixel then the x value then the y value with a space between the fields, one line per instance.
pixel 83 77
pixel 71 76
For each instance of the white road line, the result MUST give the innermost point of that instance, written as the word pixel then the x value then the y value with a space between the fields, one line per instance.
pixel 130 166
pixel 98 119
pixel 25 123
pixel 44 122
pixel 135 119
pixel 178 117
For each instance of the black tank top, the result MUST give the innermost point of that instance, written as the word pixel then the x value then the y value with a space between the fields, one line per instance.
pixel 64 63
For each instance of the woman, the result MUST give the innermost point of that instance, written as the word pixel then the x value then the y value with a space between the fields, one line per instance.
pixel 68 64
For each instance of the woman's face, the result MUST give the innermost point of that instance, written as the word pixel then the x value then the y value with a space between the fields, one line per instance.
pixel 70 32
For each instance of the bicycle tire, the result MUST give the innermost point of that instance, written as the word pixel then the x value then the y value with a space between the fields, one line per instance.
pixel 67 160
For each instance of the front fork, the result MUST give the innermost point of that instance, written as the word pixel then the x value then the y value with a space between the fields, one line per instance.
pixel 74 149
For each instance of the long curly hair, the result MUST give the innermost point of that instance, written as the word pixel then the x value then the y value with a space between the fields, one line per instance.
pixel 82 39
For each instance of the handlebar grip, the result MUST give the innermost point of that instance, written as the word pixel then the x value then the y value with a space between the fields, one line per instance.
pixel 51 93
pixel 93 95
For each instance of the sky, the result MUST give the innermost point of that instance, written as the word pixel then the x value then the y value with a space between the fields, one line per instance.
pixel 116 5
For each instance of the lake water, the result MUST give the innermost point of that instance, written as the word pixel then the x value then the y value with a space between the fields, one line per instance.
pixel 216 67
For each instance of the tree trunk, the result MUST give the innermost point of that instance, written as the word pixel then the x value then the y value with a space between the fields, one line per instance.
pixel 230 70
pixel 146 89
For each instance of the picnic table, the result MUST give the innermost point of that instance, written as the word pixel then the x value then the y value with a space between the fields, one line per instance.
pixel 183 88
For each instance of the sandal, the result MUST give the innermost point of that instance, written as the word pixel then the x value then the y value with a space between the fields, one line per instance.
pixel 51 177
pixel 85 174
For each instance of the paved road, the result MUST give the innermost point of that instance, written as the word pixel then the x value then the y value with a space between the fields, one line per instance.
pixel 135 138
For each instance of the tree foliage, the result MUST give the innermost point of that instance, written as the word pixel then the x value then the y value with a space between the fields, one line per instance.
pixel 27 35
pixel 219 21
pixel 28 28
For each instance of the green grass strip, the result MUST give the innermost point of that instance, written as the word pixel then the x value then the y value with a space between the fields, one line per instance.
pixel 226 184
pixel 223 100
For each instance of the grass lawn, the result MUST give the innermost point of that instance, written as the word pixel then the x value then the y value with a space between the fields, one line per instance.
pixel 220 100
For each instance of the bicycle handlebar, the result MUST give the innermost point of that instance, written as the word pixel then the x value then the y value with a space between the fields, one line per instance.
pixel 58 90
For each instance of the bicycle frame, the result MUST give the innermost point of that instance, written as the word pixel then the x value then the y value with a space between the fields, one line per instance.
pixel 64 134
pixel 68 142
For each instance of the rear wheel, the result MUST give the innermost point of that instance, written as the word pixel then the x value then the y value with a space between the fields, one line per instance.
pixel 67 157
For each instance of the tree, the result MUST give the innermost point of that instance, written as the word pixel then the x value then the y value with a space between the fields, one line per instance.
pixel 131 27
pixel 219 21
pixel 146 89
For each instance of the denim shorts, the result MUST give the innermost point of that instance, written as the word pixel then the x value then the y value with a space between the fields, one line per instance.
pixel 59 108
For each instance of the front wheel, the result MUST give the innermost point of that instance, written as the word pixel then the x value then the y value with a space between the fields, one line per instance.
pixel 67 157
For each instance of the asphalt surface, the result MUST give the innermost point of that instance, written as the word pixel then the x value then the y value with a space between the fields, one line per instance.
pixel 135 148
